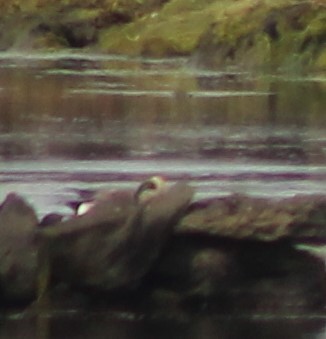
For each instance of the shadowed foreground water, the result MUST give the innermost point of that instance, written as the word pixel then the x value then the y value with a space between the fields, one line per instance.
pixel 71 121
pixel 127 326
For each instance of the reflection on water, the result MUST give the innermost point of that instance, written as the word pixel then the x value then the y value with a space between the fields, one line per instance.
pixel 83 121
pixel 120 106
pixel 71 121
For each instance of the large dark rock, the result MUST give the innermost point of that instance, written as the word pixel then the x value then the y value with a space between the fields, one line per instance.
pixel 244 217
pixel 240 254
pixel 237 277
pixel 18 249
pixel 114 244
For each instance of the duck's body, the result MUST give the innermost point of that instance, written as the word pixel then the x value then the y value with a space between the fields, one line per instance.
pixel 114 237
pixel 88 199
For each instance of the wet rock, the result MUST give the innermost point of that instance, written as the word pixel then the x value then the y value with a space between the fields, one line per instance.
pixel 276 278
pixel 244 217
pixel 114 244
pixel 240 254
pixel 237 276
pixel 194 266
pixel 18 249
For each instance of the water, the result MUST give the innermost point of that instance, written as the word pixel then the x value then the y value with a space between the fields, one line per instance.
pixel 47 184
pixel 124 327
pixel 76 121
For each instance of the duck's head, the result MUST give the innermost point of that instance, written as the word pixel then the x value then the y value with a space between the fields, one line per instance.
pixel 149 189
pixel 145 192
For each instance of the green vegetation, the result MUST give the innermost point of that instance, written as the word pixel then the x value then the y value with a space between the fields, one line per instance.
pixel 259 34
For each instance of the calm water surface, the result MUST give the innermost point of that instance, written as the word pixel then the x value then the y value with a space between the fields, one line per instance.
pixel 72 121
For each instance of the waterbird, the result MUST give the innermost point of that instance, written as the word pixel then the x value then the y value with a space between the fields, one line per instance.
pixel 117 239
pixel 88 199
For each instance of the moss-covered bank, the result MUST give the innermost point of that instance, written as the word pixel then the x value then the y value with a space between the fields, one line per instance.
pixel 253 33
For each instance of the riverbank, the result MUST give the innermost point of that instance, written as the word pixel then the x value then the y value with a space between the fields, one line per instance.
pixel 261 35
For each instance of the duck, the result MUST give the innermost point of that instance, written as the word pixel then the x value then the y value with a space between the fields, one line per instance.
pixel 113 238
pixel 89 199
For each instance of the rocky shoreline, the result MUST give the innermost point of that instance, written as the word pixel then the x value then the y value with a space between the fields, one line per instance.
pixel 251 34
pixel 230 254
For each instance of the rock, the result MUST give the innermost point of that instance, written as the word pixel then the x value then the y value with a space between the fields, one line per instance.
pixel 114 244
pixel 244 217
pixel 276 278
pixel 239 254
pixel 193 267
pixel 238 276
pixel 18 249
